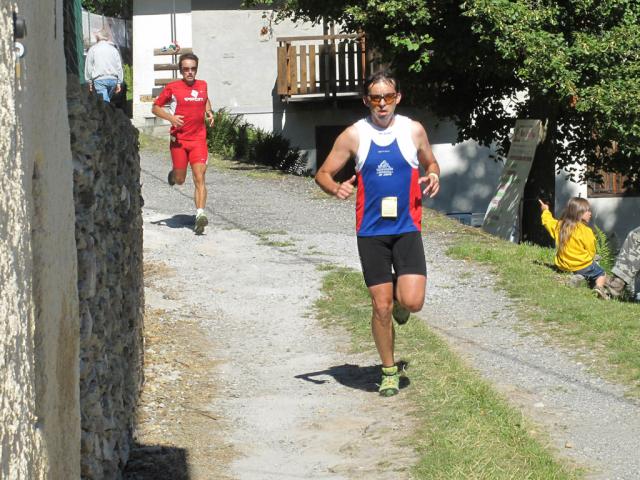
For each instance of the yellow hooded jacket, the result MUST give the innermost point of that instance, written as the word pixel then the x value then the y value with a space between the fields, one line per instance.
pixel 580 249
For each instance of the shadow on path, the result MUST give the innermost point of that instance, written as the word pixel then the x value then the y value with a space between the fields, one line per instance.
pixel 177 221
pixel 354 376
pixel 157 462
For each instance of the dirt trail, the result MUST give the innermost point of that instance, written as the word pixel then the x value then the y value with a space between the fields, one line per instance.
pixel 285 399
pixel 288 400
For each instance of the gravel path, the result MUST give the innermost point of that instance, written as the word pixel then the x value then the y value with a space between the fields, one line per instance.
pixel 287 424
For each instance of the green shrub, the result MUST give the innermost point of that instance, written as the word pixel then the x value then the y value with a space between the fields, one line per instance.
pixel 222 138
pixel 273 150
pixel 604 249
pixel 242 141
pixel 233 138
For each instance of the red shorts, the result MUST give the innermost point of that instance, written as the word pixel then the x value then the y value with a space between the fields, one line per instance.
pixel 184 152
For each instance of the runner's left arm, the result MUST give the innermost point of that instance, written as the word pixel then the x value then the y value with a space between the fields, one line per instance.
pixel 431 180
pixel 208 113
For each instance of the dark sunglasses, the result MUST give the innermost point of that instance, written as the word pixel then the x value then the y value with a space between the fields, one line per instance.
pixel 376 99
pixel 190 69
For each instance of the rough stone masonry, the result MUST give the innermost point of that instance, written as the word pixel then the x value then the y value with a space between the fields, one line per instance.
pixel 108 203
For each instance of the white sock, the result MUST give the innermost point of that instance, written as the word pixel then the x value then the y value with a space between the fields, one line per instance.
pixel 199 211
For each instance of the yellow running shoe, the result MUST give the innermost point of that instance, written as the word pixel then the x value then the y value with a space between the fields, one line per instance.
pixel 390 384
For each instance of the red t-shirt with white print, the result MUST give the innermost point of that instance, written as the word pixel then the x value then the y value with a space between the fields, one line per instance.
pixel 189 101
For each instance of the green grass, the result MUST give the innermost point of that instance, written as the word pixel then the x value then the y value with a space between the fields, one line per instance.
pixel 608 330
pixel 464 429
pixel 265 238
pixel 278 244
pixel 248 169
pixel 153 143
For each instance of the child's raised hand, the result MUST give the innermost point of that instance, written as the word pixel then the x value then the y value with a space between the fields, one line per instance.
pixel 543 206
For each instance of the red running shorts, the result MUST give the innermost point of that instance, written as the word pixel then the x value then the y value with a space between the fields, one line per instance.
pixel 184 152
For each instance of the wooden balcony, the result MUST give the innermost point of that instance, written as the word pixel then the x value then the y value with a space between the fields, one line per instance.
pixel 321 66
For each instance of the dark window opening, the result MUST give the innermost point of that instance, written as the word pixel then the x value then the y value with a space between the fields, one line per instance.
pixel 612 185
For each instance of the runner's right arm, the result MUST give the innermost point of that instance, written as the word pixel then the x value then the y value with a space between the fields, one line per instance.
pixel 159 111
pixel 175 120
pixel 345 147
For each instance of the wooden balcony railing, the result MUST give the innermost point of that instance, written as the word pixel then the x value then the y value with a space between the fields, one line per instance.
pixel 329 65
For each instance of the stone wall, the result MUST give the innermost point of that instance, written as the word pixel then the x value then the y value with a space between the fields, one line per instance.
pixel 109 241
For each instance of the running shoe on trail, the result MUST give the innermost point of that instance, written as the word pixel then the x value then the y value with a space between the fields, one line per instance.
pixel 390 384
pixel 201 222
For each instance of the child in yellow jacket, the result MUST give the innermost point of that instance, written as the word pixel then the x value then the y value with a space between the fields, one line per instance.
pixel 575 242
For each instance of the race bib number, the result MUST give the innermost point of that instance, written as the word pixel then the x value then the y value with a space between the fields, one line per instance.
pixel 389 207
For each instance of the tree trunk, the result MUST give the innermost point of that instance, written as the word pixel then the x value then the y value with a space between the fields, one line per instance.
pixel 542 178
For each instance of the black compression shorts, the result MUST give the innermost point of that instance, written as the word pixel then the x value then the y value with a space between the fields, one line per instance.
pixel 377 254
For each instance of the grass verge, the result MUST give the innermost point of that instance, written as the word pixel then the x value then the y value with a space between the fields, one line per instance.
pixel 266 237
pixel 153 143
pixel 465 429
pixel 249 169
pixel 606 331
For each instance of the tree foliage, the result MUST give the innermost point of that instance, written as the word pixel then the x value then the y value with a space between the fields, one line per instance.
pixel 109 8
pixel 483 63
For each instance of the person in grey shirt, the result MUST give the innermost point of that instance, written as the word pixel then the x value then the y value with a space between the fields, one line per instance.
pixel 627 265
pixel 103 67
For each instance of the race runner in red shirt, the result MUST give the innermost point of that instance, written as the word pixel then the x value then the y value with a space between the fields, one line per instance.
pixel 189 106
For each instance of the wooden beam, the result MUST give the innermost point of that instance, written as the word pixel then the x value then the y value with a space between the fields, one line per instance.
pixel 362 63
pixel 158 51
pixel 352 59
pixel 281 85
pixel 342 83
pixel 318 37
pixel 303 69
pixel 160 82
pixel 312 69
pixel 323 64
pixel 292 68
pixel 166 66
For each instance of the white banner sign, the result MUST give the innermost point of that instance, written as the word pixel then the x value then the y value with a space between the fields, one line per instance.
pixel 503 209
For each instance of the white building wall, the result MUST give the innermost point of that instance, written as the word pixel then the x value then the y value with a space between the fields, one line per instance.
pixel 20 442
pixel 152 28
pixel 39 404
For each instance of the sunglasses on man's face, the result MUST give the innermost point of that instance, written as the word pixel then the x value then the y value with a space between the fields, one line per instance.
pixel 190 69
pixel 376 99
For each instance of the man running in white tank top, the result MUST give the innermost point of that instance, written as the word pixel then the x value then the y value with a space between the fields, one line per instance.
pixel 388 149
